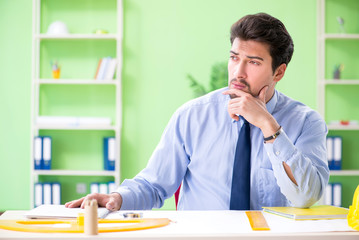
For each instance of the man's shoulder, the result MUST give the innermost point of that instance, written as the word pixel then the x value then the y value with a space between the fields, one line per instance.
pixel 292 107
pixel 210 99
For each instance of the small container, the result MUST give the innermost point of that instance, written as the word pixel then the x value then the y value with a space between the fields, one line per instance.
pixel 56 73
pixel 91 219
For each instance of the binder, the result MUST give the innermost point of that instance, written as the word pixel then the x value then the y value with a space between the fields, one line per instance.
pixel 311 213
pixel 46 152
pixel 38 194
pixel 328 199
pixel 47 193
pixel 330 150
pixel 337 194
pixel 109 151
pixel 103 188
pixel 111 187
pixel 56 193
pixel 94 187
pixel 337 154
pixel 37 153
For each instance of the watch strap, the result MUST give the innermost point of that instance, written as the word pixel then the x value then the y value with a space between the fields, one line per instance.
pixel 274 136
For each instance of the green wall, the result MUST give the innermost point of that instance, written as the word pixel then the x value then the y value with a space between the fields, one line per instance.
pixel 164 40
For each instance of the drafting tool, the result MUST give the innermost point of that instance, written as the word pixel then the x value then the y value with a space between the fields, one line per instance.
pixel 77 226
pixel 257 221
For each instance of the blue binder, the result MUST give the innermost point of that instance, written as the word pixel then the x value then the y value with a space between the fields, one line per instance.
pixel 47 193
pixel 337 154
pixel 56 193
pixel 38 194
pixel 330 152
pixel 46 152
pixel 109 153
pixel 37 153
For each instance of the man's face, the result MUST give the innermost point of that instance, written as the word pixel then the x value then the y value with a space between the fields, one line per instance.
pixel 250 68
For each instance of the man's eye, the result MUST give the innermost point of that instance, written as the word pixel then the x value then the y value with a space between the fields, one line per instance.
pixel 233 57
pixel 255 63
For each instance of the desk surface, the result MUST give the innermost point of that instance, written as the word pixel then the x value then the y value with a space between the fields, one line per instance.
pixel 207 225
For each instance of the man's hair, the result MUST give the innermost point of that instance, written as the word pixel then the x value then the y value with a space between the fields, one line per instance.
pixel 264 28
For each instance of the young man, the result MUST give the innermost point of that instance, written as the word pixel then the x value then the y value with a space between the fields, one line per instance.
pixel 288 164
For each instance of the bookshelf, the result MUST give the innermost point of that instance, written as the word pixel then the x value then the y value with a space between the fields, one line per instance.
pixel 77 150
pixel 337 98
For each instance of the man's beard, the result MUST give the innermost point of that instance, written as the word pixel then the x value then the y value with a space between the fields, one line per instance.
pixel 244 82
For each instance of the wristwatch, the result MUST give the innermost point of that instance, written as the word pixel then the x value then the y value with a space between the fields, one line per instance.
pixel 274 136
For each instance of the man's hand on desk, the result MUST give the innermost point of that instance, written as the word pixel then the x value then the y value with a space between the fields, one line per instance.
pixel 111 201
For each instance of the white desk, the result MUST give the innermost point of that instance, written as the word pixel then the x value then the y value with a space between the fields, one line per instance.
pixel 207 225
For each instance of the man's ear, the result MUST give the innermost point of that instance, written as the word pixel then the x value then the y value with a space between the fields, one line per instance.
pixel 279 72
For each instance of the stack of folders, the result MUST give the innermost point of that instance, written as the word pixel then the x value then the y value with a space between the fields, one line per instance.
pixel 332 195
pixel 42 152
pixel 109 153
pixel 334 152
pixel 47 193
pixel 106 68
pixel 104 188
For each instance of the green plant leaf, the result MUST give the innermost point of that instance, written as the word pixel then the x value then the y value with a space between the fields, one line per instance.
pixel 219 76
pixel 198 88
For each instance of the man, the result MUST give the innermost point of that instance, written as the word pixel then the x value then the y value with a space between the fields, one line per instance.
pixel 287 139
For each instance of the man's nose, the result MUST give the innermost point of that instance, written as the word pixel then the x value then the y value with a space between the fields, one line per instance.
pixel 240 71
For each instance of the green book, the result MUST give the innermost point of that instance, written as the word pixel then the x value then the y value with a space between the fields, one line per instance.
pixel 312 213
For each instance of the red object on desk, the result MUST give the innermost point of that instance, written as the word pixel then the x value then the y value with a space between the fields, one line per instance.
pixel 344 122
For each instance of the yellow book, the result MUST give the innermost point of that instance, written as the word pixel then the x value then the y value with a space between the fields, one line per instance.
pixel 312 213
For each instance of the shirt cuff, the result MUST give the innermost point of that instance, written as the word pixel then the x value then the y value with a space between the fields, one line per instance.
pixel 127 198
pixel 281 150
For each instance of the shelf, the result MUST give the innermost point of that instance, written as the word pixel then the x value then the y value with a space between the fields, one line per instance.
pixel 77 36
pixel 58 98
pixel 344 173
pixel 66 127
pixel 74 173
pixel 77 81
pixel 341 82
pixel 342 127
pixel 341 36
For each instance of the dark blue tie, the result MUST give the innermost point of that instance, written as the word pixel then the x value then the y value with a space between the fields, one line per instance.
pixel 240 195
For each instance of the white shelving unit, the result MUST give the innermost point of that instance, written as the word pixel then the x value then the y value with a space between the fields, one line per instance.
pixel 37 82
pixel 344 173
pixel 323 82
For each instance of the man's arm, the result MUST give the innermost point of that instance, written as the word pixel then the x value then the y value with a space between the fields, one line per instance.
pixel 300 175
pixel 254 110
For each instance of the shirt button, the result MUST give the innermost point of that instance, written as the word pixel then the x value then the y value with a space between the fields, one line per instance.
pixel 277 153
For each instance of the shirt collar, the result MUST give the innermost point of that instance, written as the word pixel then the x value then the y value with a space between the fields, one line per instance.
pixel 272 102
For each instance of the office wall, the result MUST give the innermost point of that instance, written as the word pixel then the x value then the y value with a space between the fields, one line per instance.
pixel 164 40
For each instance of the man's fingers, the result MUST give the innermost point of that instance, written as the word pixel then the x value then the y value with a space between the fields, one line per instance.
pixel 74 203
pixel 114 203
pixel 234 92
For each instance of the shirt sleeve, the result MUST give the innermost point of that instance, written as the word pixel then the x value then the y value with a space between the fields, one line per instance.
pixel 162 175
pixel 306 156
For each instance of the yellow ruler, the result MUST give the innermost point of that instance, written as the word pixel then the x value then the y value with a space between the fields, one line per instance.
pixel 257 221
pixel 77 226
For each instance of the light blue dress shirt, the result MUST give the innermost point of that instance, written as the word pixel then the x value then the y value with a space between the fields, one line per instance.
pixel 197 149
